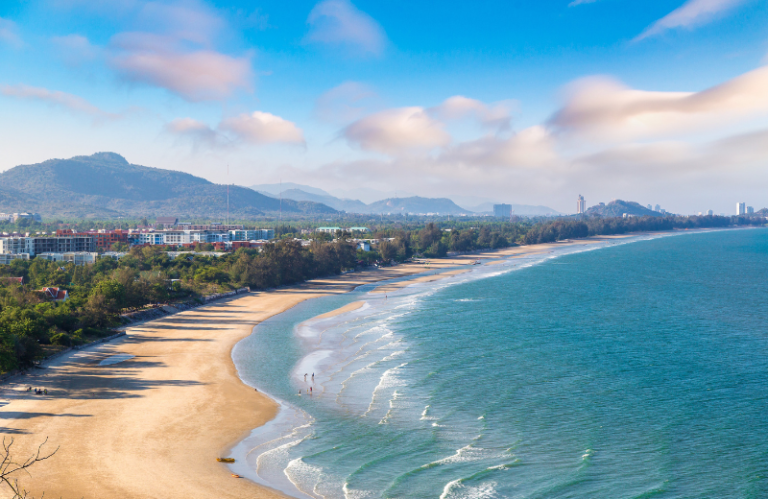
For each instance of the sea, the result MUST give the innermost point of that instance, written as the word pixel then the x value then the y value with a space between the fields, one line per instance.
pixel 628 368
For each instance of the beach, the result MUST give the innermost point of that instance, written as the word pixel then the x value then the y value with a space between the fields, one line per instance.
pixel 154 424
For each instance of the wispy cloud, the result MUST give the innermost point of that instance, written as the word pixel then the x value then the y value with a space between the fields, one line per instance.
pixel 497 115
pixel 9 33
pixel 339 23
pixel 690 14
pixel 580 2
pixel 344 103
pixel 56 98
pixel 255 128
pixel 606 110
pixel 396 131
pixel 75 49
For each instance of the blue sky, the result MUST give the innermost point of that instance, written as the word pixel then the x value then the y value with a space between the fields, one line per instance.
pixel 661 101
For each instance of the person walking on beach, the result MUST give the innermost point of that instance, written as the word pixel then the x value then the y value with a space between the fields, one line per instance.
pixel 310 390
pixel 305 377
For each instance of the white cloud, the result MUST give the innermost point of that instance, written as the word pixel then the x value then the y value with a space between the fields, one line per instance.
pixel 75 49
pixel 396 131
pixel 263 128
pixel 344 103
pixel 193 129
pixel 339 23
pixel 604 109
pixel 173 47
pixel 497 115
pixel 194 75
pixel 56 98
pixel 9 34
pixel 691 13
pixel 532 147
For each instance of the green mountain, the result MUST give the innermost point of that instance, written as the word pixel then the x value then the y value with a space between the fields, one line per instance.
pixel 417 205
pixel 105 185
pixel 617 208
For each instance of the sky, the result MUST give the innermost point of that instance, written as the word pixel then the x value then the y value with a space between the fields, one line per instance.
pixel 518 101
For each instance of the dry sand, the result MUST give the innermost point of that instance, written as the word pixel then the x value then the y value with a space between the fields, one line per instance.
pixel 152 426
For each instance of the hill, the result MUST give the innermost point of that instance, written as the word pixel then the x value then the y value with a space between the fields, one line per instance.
pixel 105 185
pixel 417 205
pixel 348 205
pixel 617 208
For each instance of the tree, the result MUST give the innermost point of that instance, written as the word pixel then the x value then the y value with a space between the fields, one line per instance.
pixel 10 468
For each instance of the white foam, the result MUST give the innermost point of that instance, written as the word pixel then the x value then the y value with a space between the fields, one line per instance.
pixel 456 489
pixel 304 476
pixel 116 359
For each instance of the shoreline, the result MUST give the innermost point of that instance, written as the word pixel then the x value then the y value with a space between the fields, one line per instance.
pixel 152 426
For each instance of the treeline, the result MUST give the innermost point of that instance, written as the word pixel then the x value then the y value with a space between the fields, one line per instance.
pixel 31 326
pixel 559 230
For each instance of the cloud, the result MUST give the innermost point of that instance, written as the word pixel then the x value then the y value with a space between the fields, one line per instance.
pixel 195 75
pixel 173 47
pixel 8 33
pixel 605 109
pixel 339 23
pixel 263 128
pixel 193 129
pixel 497 115
pixel 56 98
pixel 691 13
pixel 344 103
pixel 396 131
pixel 532 147
pixel 75 50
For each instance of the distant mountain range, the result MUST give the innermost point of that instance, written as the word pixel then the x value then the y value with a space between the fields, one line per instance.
pixel 105 185
pixel 617 208
pixel 413 204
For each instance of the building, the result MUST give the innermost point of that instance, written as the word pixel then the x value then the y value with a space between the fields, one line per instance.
pixel 364 245
pixel 7 258
pixel 55 294
pixel 78 257
pixel 68 244
pixel 13 245
pixel 710 213
pixel 750 210
pixel 581 204
pixel 167 221
pixel 103 239
pixel 649 206
pixel 741 208
pixel 329 230
pixel 29 216
pixel 251 235
pixel 657 208
pixel 502 210
pixel 358 229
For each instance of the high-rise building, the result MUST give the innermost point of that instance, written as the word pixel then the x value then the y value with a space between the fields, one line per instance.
pixel 710 212
pixel 741 208
pixel 750 210
pixel 657 208
pixel 581 204
pixel 502 210
pixel 649 206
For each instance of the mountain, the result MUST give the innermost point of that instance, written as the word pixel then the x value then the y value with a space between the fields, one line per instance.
pixel 105 185
pixel 417 205
pixel 274 190
pixel 617 208
pixel 348 205
pixel 518 209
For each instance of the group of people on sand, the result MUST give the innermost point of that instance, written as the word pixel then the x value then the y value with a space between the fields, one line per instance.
pixel 38 391
pixel 309 390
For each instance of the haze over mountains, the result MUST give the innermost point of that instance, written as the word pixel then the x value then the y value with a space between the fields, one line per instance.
pixel 410 204
pixel 105 185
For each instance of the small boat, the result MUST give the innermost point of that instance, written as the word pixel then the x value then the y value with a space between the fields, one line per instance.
pixel 236 476
pixel 225 459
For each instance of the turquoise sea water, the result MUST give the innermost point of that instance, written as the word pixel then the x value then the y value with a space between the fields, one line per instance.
pixel 636 370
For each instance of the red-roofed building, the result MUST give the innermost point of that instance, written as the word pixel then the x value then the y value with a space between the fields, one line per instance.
pixel 18 280
pixel 55 294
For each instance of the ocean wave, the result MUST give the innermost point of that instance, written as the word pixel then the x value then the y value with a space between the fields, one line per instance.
pixel 456 489
pixel 304 477
pixel 389 379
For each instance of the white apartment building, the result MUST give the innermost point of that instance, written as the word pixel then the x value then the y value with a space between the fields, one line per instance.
pixel 7 258
pixel 741 208
pixel 251 235
pixel 10 245
pixel 77 257
pixel 581 204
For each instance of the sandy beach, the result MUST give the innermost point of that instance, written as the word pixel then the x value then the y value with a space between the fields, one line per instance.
pixel 153 425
